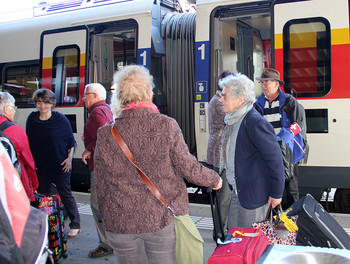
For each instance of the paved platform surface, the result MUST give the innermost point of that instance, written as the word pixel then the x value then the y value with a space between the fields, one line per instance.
pixel 79 247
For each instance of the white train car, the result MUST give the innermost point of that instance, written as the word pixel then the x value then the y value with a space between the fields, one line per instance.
pixel 65 45
pixel 308 43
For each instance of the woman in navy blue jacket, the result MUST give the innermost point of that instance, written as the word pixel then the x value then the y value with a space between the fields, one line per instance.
pixel 52 143
pixel 250 154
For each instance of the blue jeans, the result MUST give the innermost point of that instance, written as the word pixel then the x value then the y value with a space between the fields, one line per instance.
pixel 62 181
pixel 145 248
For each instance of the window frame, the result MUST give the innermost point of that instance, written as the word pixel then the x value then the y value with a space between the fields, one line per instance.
pixel 325 82
pixel 18 64
pixel 59 99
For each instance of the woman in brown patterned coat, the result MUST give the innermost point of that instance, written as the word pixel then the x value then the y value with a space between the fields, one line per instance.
pixel 140 229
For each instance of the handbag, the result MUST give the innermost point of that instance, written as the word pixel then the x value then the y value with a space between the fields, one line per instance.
pixel 189 242
pixel 279 229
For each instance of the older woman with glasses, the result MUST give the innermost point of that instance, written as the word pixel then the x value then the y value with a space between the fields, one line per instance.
pixel 19 139
pixel 52 143
pixel 216 115
pixel 250 154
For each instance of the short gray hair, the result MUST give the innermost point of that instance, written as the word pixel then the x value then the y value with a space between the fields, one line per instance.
pixel 239 86
pixel 98 89
pixel 133 83
pixel 5 99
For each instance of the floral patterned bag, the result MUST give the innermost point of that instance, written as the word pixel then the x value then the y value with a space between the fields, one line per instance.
pixel 279 229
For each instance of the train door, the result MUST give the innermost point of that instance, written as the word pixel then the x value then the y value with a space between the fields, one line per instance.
pixel 238 35
pixel 312 51
pixel 113 45
pixel 62 56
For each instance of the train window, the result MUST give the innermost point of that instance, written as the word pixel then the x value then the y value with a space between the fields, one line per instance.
pixel 21 80
pixel 316 120
pixel 307 57
pixel 65 74
pixel 73 122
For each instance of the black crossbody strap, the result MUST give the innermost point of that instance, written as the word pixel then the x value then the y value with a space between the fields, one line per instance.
pixel 5 125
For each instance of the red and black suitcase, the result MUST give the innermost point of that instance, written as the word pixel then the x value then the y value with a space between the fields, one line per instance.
pixel 316 226
pixel 243 245
pixel 52 206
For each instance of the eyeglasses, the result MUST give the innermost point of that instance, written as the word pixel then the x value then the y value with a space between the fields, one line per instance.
pixel 87 94
pixel 13 106
pixel 265 82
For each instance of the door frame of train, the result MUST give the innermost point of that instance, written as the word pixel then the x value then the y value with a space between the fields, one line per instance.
pixel 64 37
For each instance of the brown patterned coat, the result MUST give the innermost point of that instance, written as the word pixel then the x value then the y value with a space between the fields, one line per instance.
pixel 216 116
pixel 159 150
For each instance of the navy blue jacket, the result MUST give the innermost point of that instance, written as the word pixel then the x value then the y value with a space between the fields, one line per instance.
pixel 49 140
pixel 259 167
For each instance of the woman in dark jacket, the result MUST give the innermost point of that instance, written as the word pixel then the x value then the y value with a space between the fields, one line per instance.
pixel 140 229
pixel 250 154
pixel 52 143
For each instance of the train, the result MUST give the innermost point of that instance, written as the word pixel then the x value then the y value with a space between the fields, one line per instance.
pixel 64 45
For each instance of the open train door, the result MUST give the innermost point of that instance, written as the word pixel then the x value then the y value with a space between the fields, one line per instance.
pixel 63 59
pixel 311 48
pixel 232 36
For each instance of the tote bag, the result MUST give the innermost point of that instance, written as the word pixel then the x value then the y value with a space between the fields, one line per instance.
pixel 189 242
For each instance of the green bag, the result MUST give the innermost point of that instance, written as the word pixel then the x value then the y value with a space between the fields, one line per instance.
pixel 189 242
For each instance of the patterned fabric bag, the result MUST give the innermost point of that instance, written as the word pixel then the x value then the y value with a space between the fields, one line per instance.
pixel 279 229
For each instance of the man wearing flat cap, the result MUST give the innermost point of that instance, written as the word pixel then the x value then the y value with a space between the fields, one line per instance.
pixel 287 117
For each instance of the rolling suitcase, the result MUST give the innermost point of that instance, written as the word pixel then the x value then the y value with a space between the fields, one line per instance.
pixel 243 245
pixel 316 226
pixel 52 206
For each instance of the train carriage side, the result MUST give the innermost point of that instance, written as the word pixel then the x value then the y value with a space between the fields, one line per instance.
pixel 308 42
pixel 68 47
pixel 312 52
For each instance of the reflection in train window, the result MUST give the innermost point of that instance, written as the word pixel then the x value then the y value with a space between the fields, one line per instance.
pixel 21 81
pixel 65 74
pixel 307 57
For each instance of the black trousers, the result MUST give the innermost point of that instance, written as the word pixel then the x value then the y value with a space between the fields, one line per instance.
pixel 62 182
pixel 291 190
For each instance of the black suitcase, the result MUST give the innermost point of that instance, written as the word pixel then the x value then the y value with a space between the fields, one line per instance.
pixel 316 226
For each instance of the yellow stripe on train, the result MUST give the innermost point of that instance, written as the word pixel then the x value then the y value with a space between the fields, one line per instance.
pixel 308 39
pixel 47 62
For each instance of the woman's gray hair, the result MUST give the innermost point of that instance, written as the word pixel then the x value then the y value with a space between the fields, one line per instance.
pixel 5 99
pixel 132 84
pixel 239 86
pixel 98 89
